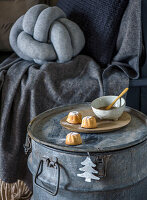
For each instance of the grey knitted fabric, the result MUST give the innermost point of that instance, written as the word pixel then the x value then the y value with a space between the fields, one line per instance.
pixel 44 34
pixel 100 21
pixel 125 63
pixel 27 89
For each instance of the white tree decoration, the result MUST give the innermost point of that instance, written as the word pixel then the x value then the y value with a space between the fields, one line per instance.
pixel 88 170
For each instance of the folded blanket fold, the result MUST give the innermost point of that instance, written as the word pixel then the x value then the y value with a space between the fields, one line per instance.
pixel 125 63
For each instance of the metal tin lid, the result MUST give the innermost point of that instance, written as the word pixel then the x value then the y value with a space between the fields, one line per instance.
pixel 46 129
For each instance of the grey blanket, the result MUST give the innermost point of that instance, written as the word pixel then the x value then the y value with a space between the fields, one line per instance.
pixel 27 89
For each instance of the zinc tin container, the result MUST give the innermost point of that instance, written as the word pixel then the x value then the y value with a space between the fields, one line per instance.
pixel 120 158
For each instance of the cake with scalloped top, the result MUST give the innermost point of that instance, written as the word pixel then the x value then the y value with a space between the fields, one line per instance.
pixel 74 117
pixel 73 138
pixel 89 122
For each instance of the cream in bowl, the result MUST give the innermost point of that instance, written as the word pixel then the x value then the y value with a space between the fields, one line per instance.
pixel 99 104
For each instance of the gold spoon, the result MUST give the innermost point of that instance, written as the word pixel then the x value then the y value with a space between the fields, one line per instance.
pixel 110 106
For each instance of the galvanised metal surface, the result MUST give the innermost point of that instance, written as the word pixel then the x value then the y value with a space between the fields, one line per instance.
pixel 46 129
pixel 136 192
pixel 122 169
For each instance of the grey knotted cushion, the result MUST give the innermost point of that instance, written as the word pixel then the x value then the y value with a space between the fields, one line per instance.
pixel 44 34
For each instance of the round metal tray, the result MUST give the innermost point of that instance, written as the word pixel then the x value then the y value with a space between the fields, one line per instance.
pixel 46 129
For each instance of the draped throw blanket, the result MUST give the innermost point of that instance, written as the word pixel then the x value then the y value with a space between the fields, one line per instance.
pixel 44 34
pixel 125 63
pixel 27 89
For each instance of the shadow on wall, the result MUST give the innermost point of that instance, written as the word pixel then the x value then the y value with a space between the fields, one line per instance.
pixel 53 2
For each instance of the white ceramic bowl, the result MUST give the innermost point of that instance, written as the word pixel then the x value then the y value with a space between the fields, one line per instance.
pixel 104 101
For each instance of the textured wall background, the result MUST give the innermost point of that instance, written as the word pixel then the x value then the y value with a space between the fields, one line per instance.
pixel 53 2
pixel 10 11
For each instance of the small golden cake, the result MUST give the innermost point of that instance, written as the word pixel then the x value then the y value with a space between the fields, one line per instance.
pixel 89 122
pixel 73 139
pixel 74 117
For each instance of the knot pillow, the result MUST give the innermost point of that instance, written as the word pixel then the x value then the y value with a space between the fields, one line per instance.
pixel 44 34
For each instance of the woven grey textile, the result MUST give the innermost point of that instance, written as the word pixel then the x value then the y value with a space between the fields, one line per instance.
pixel 125 63
pixel 100 21
pixel 27 89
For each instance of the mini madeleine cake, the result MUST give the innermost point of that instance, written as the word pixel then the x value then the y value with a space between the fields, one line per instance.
pixel 89 122
pixel 74 117
pixel 73 138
